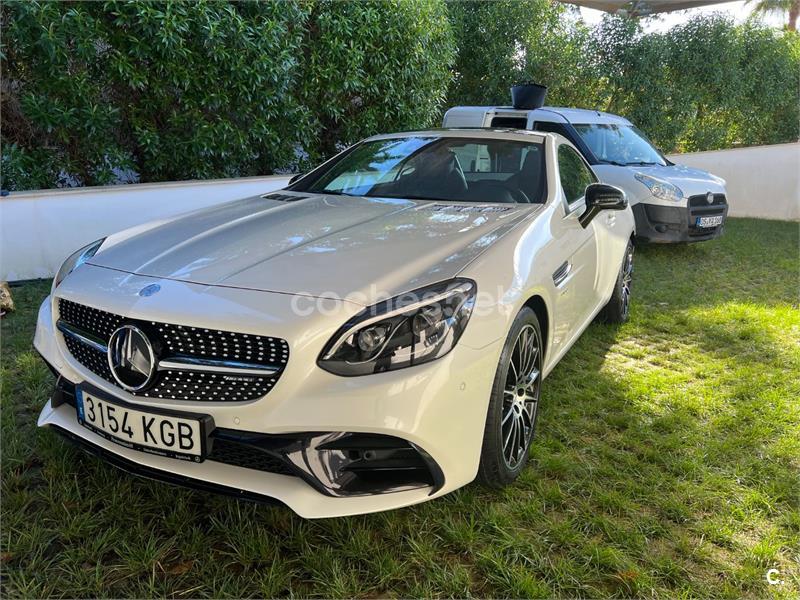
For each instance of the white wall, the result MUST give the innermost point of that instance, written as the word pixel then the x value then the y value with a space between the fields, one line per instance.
pixel 763 181
pixel 39 229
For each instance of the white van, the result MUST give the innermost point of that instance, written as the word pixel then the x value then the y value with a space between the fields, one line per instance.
pixel 671 203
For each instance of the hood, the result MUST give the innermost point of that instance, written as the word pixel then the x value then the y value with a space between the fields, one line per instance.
pixel 691 181
pixel 325 246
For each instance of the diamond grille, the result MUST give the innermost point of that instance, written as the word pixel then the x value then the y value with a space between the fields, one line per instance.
pixel 170 340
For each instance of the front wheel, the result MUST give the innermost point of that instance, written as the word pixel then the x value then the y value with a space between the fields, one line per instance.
pixel 618 308
pixel 514 403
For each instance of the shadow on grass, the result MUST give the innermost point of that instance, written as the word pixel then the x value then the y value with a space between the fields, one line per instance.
pixel 699 448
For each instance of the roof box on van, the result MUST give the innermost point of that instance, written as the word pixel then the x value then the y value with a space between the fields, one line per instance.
pixel 528 95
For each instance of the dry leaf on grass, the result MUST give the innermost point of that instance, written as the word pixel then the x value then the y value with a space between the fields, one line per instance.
pixel 6 301
pixel 180 568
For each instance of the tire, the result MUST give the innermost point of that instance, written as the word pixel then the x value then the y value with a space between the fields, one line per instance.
pixel 618 308
pixel 513 404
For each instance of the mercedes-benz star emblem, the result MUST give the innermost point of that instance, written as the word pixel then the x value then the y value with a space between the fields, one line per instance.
pixel 131 358
pixel 710 198
pixel 149 290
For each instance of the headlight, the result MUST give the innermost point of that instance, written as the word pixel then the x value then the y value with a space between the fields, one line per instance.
pixel 660 188
pixel 76 260
pixel 408 330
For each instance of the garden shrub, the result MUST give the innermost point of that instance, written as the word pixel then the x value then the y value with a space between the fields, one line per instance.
pixel 702 85
pixel 705 84
pixel 171 90
pixel 180 90
pixel 373 67
pixel 102 92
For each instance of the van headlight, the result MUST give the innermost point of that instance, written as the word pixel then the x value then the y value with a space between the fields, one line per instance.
pixel 660 188
pixel 410 329
pixel 76 260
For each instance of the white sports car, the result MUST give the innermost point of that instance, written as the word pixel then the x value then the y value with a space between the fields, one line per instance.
pixel 371 337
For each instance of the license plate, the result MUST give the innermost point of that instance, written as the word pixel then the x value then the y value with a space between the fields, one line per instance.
pixel 155 431
pixel 708 221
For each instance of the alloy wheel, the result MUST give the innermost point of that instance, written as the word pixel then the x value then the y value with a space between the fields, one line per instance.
pixel 521 396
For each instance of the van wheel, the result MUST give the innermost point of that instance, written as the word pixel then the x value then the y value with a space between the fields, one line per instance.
pixel 514 403
pixel 618 308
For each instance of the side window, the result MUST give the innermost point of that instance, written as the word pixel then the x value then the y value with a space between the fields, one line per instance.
pixel 574 173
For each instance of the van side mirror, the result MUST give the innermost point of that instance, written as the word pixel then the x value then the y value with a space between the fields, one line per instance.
pixel 599 197
pixel 295 177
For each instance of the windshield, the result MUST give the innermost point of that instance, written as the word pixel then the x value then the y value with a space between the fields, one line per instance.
pixel 434 168
pixel 620 145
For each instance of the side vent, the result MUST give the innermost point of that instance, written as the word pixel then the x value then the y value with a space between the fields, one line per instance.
pixel 561 273
pixel 283 197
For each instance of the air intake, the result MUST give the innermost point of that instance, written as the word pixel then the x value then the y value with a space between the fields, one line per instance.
pixel 528 95
pixel 283 197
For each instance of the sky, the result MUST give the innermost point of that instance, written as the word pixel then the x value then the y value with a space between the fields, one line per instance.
pixel 738 10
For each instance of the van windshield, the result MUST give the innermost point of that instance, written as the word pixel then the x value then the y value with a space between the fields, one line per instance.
pixel 436 168
pixel 622 145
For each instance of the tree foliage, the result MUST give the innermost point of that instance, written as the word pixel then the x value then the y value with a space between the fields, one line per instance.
pixel 501 42
pixel 371 67
pixel 490 38
pixel 702 85
pixel 791 7
pixel 171 90
pixel 178 90
pixel 174 90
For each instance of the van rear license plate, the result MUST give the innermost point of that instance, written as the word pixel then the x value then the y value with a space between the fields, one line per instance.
pixel 171 434
pixel 708 221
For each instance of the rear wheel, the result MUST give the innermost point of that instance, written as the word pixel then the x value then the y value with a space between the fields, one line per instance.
pixel 513 407
pixel 617 309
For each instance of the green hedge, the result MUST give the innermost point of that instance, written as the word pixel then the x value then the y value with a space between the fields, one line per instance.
pixel 179 90
pixel 373 67
pixel 703 85
pixel 170 90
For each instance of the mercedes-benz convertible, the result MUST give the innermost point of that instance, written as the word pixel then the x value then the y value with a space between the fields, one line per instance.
pixel 373 336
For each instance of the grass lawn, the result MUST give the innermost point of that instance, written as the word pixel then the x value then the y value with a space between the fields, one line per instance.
pixel 667 463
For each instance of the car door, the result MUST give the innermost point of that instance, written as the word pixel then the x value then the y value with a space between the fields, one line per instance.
pixel 575 279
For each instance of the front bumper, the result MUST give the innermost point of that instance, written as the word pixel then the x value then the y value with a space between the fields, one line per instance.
pixel 676 224
pixel 418 406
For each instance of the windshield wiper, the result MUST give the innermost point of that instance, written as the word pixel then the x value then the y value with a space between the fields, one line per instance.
pixel 412 197
pixel 368 195
pixel 640 163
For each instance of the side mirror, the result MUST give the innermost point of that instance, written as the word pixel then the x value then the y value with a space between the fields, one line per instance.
pixel 295 177
pixel 600 196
